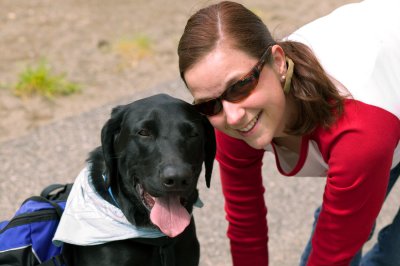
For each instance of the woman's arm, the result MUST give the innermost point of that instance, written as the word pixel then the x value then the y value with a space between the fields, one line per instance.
pixel 359 151
pixel 240 170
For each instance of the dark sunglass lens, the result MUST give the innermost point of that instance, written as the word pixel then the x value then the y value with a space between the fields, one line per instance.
pixel 209 108
pixel 242 89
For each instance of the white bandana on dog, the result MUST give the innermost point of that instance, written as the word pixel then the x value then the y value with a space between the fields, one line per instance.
pixel 90 220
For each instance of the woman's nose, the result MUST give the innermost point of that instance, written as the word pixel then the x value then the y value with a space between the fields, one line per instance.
pixel 233 113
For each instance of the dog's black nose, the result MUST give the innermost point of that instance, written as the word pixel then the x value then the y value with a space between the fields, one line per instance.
pixel 175 178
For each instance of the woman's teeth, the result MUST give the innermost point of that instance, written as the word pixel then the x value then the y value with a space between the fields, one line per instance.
pixel 250 125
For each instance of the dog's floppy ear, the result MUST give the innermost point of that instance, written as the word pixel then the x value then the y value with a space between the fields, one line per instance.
pixel 210 148
pixel 109 133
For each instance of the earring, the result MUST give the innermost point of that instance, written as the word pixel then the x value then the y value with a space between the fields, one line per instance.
pixel 289 73
pixel 283 77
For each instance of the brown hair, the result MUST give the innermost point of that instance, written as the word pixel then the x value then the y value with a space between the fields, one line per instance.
pixel 316 99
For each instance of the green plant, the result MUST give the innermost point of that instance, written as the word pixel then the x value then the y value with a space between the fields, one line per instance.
pixel 134 48
pixel 41 81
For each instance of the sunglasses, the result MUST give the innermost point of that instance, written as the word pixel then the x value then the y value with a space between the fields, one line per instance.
pixel 237 92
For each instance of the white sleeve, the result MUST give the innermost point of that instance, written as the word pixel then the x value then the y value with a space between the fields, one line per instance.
pixel 359 45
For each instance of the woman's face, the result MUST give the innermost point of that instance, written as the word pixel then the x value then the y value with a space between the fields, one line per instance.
pixel 258 118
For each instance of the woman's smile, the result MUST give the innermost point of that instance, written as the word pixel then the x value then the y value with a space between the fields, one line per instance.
pixel 250 126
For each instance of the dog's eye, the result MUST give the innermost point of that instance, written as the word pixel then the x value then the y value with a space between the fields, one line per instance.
pixel 144 132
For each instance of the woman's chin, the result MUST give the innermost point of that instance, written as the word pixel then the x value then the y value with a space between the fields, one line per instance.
pixel 258 143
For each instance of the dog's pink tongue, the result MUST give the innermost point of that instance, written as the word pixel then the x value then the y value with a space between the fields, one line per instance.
pixel 169 215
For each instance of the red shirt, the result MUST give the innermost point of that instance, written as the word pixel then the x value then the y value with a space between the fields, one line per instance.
pixel 358 150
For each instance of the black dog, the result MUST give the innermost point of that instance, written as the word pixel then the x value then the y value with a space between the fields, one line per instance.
pixel 151 158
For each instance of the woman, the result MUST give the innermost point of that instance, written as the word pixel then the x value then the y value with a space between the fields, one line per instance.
pixel 325 101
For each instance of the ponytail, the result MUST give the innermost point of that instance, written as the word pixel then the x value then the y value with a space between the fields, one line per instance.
pixel 316 98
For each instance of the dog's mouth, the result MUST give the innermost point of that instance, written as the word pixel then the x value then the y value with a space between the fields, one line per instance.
pixel 166 212
pixel 147 200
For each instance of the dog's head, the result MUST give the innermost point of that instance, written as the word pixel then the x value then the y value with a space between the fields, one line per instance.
pixel 154 149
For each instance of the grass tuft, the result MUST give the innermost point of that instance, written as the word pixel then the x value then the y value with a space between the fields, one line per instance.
pixel 133 49
pixel 39 80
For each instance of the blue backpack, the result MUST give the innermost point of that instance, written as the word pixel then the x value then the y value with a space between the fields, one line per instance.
pixel 26 240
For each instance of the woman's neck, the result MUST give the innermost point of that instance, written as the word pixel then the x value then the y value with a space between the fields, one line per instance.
pixel 290 142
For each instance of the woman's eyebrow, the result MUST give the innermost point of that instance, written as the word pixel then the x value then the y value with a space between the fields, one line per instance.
pixel 232 80
pixel 237 77
pixel 204 99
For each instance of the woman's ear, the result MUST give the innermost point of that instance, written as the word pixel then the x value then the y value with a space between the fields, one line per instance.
pixel 279 60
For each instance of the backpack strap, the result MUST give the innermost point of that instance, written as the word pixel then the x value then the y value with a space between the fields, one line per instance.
pixel 57 191
pixel 57 208
pixel 50 189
